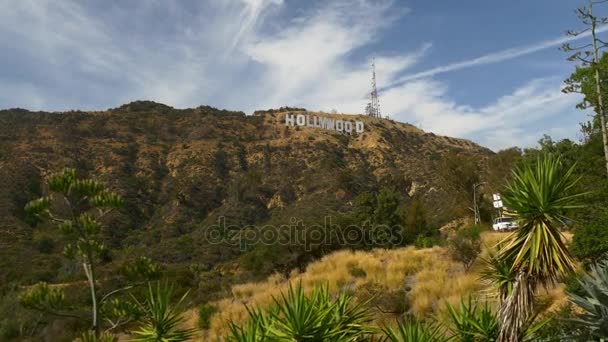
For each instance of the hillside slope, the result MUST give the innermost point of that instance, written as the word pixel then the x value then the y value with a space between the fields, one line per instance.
pixel 180 170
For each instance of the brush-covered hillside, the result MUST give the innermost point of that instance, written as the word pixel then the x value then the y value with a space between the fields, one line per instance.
pixel 180 170
pixel 184 172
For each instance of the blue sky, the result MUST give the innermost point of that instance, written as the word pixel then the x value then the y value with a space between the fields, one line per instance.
pixel 489 71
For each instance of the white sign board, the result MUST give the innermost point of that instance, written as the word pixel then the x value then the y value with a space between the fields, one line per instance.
pixel 496 197
pixel 498 204
pixel 305 120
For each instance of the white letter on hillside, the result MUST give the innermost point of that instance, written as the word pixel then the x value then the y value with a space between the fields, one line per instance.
pixel 308 123
pixel 359 126
pixel 315 121
pixel 348 127
pixel 289 119
pixel 339 125
pixel 300 120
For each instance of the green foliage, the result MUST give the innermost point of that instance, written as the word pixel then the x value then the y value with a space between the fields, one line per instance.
pixel 298 317
pixel 43 298
pixel 412 330
pixel 415 223
pixel 205 312
pixel 590 242
pixel 465 245
pixel 387 208
pixel 472 323
pixel 161 320
pixel 593 320
pixel 460 172
pixel 141 268
pixel 582 80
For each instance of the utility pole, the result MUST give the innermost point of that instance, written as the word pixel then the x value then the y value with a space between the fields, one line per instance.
pixel 475 206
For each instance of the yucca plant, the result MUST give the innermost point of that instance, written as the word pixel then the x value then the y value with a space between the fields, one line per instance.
pixel 473 323
pixel 593 319
pixel 412 330
pixel 161 321
pixel 297 317
pixel 538 196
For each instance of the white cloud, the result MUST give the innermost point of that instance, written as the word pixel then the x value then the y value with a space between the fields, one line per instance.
pixel 496 57
pixel 247 55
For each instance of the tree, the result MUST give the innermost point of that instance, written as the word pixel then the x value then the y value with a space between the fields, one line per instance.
pixel 539 195
pixel 387 208
pixel 465 245
pixel 589 79
pixel 77 207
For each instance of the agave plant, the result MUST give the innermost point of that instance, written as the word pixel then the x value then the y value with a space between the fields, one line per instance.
pixel 412 330
pixel 538 196
pixel 298 317
pixel 593 319
pixel 161 321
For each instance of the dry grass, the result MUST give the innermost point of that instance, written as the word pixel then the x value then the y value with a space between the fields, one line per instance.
pixel 428 278
pixel 420 281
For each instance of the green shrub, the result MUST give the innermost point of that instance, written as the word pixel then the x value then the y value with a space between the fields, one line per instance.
pixel 427 241
pixel 590 242
pixel 205 311
pixel 8 330
pixel 465 245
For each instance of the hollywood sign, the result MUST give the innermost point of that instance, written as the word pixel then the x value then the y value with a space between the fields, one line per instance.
pixel 305 120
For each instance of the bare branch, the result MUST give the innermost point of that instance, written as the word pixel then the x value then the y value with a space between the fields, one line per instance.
pixel 111 293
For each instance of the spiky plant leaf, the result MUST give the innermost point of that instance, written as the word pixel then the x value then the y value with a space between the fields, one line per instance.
pixel 593 319
pixel 296 316
pixel 161 320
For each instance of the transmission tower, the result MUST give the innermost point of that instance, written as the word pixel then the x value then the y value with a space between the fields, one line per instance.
pixel 373 107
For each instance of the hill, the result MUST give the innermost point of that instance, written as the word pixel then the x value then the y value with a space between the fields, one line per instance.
pixel 184 171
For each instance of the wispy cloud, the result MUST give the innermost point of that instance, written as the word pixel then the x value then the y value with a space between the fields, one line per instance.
pixel 495 57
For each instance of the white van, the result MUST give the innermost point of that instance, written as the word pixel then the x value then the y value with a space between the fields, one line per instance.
pixel 504 223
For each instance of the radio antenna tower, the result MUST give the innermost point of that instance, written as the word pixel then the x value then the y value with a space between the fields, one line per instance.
pixel 373 107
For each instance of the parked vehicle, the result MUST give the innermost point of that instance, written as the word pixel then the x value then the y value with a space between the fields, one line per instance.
pixel 504 223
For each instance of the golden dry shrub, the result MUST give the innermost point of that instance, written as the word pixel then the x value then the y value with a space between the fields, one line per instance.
pixel 424 279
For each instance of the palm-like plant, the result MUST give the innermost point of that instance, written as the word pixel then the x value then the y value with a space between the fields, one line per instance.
pixel 412 330
pixel 161 321
pixel 298 317
pixel 538 196
pixel 593 319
